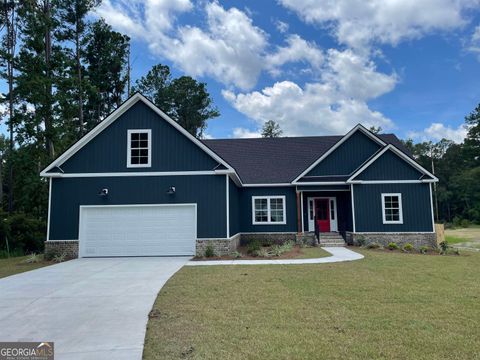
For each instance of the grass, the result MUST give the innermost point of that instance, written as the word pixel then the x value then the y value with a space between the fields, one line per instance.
pixel 16 265
pixel 464 237
pixel 386 306
pixel 312 253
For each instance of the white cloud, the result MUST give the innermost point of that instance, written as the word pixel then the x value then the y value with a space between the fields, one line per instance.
pixel 359 23
pixel 438 131
pixel 245 133
pixel 331 106
pixel 297 50
pixel 282 26
pixel 474 45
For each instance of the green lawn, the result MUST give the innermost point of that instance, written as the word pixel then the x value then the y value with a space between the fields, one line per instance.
pixel 464 237
pixel 15 265
pixel 386 306
pixel 312 253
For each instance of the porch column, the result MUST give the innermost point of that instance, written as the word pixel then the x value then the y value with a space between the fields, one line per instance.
pixel 299 212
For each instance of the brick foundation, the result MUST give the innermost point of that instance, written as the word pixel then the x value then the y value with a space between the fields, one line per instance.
pixel 416 239
pixel 220 246
pixel 276 238
pixel 67 247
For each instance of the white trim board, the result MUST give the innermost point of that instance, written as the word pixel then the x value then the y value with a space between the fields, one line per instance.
pixel 359 127
pixel 402 156
pixel 114 116
pixel 139 173
pixel 227 192
pixel 49 207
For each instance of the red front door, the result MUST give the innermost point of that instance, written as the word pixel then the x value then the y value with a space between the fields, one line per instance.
pixel 322 214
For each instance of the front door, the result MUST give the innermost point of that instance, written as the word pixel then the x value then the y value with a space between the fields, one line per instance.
pixel 322 213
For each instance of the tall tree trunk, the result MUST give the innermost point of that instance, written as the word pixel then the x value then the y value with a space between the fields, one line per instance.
pixel 79 74
pixel 48 87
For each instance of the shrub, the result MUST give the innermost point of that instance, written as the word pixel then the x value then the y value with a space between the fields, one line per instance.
pixel 457 221
pixel 267 242
pixel 361 241
pixel 34 258
pixel 443 247
pixel 24 232
pixel 373 245
pixel 236 255
pixel 51 253
pixel 12 253
pixel 407 247
pixel 392 246
pixel 60 258
pixel 209 251
pixel 253 246
pixel 262 252
pixel 465 223
pixel 448 226
pixel 424 249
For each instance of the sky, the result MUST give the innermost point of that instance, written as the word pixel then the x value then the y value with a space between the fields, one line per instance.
pixel 316 67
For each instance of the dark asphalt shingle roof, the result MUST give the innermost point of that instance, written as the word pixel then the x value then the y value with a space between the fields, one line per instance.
pixel 277 160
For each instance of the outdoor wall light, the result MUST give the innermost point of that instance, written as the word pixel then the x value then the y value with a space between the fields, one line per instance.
pixel 103 192
pixel 171 190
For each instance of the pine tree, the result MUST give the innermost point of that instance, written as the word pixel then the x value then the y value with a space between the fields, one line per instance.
pixel 271 129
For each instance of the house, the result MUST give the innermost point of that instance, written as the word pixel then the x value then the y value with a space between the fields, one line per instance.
pixel 139 185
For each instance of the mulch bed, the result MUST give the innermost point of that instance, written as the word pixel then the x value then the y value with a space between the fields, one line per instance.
pixel 294 253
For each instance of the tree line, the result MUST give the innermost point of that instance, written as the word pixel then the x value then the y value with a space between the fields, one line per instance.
pixel 62 71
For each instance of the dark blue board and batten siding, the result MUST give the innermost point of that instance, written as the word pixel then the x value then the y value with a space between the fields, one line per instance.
pixel 207 191
pixel 246 223
pixel 389 167
pixel 416 205
pixel 171 150
pixel 347 157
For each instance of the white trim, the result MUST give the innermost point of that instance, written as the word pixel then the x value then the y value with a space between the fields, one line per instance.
pixel 269 232
pixel 301 206
pixel 402 156
pixel 269 222
pixel 332 222
pixel 129 147
pixel 227 191
pixel 81 207
pixel 337 144
pixel 321 183
pixel 324 190
pixel 268 185
pixel 49 207
pixel 353 207
pixel 142 173
pixel 400 209
pixel 114 116
pixel 431 206
pixel 360 182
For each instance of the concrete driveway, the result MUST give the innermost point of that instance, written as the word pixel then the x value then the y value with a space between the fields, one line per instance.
pixel 90 308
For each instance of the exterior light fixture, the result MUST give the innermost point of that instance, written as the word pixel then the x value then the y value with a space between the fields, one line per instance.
pixel 171 190
pixel 103 192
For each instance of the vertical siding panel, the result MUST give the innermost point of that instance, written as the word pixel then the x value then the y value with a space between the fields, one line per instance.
pixel 207 191
pixel 390 166
pixel 415 201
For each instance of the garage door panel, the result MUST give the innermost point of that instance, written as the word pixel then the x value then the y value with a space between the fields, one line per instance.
pixel 137 230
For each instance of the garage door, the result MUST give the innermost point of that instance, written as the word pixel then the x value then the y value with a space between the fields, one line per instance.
pixel 139 230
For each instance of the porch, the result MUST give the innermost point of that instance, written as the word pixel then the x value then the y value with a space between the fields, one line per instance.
pixel 325 212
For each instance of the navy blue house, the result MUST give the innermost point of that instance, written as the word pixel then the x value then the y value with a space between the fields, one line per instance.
pixel 138 184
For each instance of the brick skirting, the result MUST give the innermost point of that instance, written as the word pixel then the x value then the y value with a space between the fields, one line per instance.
pixel 416 239
pixel 67 247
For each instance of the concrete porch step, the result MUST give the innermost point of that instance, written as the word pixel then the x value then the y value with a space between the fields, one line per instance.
pixel 332 244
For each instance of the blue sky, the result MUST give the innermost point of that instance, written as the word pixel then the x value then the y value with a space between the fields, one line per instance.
pixel 316 67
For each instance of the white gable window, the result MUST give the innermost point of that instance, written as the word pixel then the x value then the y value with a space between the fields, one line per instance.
pixel 139 153
pixel 268 210
pixel 392 208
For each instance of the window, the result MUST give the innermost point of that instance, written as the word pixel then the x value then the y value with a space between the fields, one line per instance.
pixel 392 208
pixel 139 148
pixel 268 210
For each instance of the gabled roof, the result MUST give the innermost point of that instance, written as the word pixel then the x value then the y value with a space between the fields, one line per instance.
pixel 357 128
pixel 400 154
pixel 278 160
pixel 114 116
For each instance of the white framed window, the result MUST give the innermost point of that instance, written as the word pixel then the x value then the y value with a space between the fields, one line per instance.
pixel 269 210
pixel 139 148
pixel 392 208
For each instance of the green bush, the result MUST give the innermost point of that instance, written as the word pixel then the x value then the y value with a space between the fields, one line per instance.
pixel 407 247
pixel 253 246
pixel 209 251
pixel 13 253
pixel 25 234
pixel 373 245
pixel 236 255
pixel 448 226
pixel 392 246
pixel 457 221
pixel 262 252
pixel 424 249
pixel 361 241
pixel 34 258
pixel 443 247
pixel 465 223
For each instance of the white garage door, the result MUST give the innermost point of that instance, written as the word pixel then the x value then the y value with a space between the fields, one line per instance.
pixel 138 230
